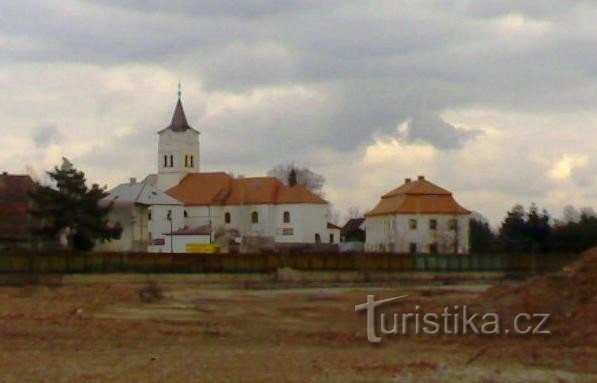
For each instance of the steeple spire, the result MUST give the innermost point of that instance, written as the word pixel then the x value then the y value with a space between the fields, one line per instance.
pixel 179 119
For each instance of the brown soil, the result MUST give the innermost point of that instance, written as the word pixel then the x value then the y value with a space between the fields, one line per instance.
pixel 106 331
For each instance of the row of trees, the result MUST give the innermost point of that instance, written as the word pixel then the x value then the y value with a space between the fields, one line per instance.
pixel 534 231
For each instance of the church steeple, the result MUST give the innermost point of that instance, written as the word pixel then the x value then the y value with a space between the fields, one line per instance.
pixel 179 119
pixel 178 149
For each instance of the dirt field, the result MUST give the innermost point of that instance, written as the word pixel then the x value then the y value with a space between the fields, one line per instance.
pixel 100 330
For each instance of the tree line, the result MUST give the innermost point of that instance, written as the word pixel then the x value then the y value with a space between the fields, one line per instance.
pixel 533 230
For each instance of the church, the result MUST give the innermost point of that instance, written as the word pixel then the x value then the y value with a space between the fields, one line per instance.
pixel 194 211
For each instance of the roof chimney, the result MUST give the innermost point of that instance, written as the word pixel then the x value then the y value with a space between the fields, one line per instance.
pixel 133 180
pixel 5 173
pixel 421 178
pixel 407 180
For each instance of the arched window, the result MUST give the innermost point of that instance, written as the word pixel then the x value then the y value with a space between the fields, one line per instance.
pixel 286 217
pixel 149 215
pixel 186 214
pixel 317 238
pixel 191 161
pixel 165 161
pixel 227 217
pixel 186 161
pixel 171 160
pixel 254 217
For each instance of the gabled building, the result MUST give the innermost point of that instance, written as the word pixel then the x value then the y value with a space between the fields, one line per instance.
pixel 146 214
pixel 353 235
pixel 15 222
pixel 260 210
pixel 254 206
pixel 418 217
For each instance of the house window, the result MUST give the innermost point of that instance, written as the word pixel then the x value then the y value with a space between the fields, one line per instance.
pixel 171 160
pixel 186 214
pixel 433 248
pixel 433 224
pixel 286 217
pixel 186 161
pixel 453 224
pixel 317 238
pixel 254 217
pixel 412 248
pixel 227 217
pixel 331 237
pixel 191 161
pixel 412 224
pixel 165 161
pixel 149 215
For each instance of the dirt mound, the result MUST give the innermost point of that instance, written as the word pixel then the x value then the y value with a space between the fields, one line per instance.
pixel 570 296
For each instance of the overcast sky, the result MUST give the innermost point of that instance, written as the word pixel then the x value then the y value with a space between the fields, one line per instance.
pixel 494 100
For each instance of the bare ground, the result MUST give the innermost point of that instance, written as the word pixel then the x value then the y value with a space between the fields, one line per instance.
pixel 102 331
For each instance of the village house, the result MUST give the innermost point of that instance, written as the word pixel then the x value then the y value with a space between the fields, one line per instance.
pixel 15 222
pixel 146 214
pixel 222 209
pixel 418 217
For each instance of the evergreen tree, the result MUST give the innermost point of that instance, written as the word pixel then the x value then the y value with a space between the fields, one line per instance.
pixel 512 234
pixel 482 238
pixel 73 208
pixel 538 229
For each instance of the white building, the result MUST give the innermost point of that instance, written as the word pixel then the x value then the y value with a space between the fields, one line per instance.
pixel 145 213
pixel 418 217
pixel 258 209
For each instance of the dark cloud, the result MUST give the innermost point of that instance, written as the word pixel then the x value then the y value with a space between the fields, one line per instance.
pixel 372 66
pixel 431 128
pixel 46 134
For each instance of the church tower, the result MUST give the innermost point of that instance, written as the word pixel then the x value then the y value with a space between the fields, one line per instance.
pixel 178 149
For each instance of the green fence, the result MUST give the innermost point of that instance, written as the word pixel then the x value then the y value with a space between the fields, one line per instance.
pixel 65 262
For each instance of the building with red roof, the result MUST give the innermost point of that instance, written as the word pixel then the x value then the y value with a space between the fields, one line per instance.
pixel 418 217
pixel 254 207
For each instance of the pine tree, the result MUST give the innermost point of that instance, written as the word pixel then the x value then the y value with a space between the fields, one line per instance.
pixel 73 208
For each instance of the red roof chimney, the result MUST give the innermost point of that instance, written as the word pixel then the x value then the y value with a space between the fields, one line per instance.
pixel 421 178
pixel 407 180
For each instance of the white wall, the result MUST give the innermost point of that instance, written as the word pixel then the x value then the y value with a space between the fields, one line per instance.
pixel 159 225
pixel 336 236
pixel 392 233
pixel 135 235
pixel 178 145
pixel 305 220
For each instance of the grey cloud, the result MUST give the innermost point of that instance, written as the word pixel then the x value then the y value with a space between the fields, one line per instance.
pixel 431 128
pixel 375 65
pixel 45 134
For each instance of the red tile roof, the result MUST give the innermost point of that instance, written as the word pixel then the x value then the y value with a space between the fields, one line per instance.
pixel 193 230
pixel 418 197
pixel 197 189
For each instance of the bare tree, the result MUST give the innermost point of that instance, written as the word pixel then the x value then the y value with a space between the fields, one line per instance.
pixel 304 176
pixel 353 212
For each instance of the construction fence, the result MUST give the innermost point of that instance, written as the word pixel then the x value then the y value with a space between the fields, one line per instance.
pixel 104 262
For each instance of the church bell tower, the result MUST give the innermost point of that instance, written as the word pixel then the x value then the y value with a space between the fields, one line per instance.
pixel 178 149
